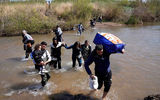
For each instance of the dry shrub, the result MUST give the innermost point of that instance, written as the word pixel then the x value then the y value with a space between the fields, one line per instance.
pixel 143 14
pixel 14 18
pixel 61 8
pixel 111 11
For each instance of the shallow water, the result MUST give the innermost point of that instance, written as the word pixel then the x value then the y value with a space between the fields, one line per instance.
pixel 135 74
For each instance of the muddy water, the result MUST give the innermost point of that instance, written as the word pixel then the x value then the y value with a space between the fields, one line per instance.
pixel 136 73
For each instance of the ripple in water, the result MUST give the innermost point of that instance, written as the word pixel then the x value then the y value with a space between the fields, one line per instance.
pixel 35 89
pixel 84 85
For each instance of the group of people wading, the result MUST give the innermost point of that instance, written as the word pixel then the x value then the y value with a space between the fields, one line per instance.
pixel 43 60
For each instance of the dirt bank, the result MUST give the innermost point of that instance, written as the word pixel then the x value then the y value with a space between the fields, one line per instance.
pixel 106 24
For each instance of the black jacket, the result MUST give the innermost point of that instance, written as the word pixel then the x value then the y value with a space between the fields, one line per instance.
pixel 37 56
pixel 56 51
pixel 86 51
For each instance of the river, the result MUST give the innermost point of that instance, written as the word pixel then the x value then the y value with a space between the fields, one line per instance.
pixel 135 74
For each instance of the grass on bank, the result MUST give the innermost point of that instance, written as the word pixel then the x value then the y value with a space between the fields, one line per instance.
pixel 35 17
pixel 15 18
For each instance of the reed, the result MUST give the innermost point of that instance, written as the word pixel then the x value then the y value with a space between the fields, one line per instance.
pixel 37 17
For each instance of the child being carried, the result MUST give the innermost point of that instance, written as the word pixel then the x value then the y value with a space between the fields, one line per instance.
pixel 37 56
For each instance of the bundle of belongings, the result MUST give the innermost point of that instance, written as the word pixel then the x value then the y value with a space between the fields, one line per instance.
pixel 110 42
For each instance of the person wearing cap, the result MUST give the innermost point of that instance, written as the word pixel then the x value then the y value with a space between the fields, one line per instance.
pixel 86 50
pixel 28 42
pixel 102 68
pixel 56 53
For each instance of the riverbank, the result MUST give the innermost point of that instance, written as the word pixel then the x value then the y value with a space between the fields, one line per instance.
pixel 108 24
pixel 98 25
pixel 40 18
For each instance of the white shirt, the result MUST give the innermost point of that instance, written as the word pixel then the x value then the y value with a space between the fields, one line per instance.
pixel 28 37
pixel 46 56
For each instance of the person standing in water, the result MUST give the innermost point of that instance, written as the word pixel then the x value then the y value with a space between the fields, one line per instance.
pixel 76 53
pixel 100 19
pixel 36 55
pixel 80 28
pixel 102 68
pixel 46 60
pixel 28 42
pixel 86 50
pixel 92 23
pixel 45 54
pixel 41 59
pixel 56 53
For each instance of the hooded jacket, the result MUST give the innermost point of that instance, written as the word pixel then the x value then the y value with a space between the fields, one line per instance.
pixel 102 63
pixel 56 50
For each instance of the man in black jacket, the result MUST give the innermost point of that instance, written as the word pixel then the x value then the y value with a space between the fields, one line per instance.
pixel 101 58
pixel 56 53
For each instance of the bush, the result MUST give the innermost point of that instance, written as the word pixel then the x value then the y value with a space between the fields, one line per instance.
pixel 81 11
pixel 29 17
pixel 36 17
pixel 133 20
pixel 154 8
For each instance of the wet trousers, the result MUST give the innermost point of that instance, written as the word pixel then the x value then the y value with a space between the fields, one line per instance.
pixel 106 80
pixel 45 77
pixel 74 61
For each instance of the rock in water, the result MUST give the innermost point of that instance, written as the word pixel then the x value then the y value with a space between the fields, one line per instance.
pixel 153 97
